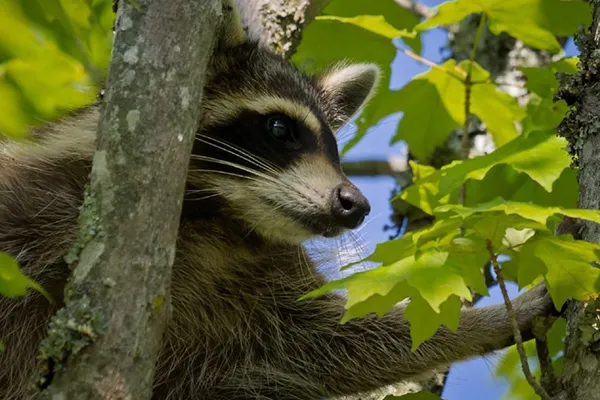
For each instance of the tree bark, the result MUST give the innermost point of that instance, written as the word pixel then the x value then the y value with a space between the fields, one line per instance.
pixel 131 212
pixel 278 24
pixel 581 372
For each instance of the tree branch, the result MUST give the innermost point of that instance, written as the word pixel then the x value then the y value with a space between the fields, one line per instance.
pixel 131 212
pixel 278 24
pixel 421 10
pixel 548 378
pixel 393 166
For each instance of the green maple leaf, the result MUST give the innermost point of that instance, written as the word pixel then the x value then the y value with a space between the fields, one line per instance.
pixel 498 110
pixel 433 105
pixel 528 211
pixel 423 395
pixel 424 321
pixel 540 155
pixel 430 274
pixel 532 167
pixel 517 186
pixel 542 80
pixel 565 263
pixel 429 266
pixel 53 54
pixel 13 283
pixel 543 114
pixel 356 30
pixel 536 23
pixel 372 23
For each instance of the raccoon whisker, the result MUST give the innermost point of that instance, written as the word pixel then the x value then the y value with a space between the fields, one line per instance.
pixel 367 222
pixel 238 166
pixel 200 190
pixel 357 245
pixel 241 153
pixel 203 197
pixel 216 171
pixel 264 178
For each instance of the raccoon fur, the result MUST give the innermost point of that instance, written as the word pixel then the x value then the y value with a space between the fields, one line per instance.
pixel 264 176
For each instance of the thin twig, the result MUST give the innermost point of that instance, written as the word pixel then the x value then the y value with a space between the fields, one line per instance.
pixel 548 378
pixel 422 60
pixel 515 326
pixel 433 64
pixel 465 145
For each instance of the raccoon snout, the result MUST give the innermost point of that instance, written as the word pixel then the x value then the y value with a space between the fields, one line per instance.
pixel 348 206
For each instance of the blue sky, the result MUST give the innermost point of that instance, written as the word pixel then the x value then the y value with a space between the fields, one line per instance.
pixel 474 379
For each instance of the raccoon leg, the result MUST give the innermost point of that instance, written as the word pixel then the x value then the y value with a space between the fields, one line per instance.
pixel 317 357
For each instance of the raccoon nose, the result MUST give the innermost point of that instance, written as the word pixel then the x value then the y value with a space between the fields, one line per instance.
pixel 348 206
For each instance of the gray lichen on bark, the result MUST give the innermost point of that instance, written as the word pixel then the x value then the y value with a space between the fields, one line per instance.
pixel 580 92
pixel 581 370
pixel 117 302
pixel 278 24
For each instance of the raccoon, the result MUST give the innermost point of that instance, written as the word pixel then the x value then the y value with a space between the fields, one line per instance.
pixel 264 176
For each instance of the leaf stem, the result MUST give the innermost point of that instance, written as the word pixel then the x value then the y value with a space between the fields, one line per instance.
pixel 515 326
pixel 465 145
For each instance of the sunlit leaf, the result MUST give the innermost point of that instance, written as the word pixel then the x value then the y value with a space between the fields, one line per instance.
pixel 13 283
pixel 424 321
pixel 570 274
pixel 372 23
pixel 535 22
pixel 564 262
pixel 424 395
pixel 444 266
pixel 542 80
pixel 498 110
pixel 529 165
pixel 433 105
pixel 53 56
pixel 518 186
pixel 327 41
pixel 533 212
pixel 543 114
pixel 540 155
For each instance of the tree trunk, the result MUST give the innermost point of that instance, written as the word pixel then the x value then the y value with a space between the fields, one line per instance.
pixel 581 372
pixel 131 212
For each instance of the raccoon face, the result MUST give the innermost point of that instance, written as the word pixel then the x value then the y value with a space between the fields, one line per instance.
pixel 266 147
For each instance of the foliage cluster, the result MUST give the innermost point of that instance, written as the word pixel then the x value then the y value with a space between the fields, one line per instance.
pixel 505 205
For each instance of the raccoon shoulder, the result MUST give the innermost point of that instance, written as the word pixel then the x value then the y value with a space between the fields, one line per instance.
pixel 42 179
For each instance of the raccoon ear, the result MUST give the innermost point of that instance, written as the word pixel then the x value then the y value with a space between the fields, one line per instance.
pixel 345 88
pixel 231 32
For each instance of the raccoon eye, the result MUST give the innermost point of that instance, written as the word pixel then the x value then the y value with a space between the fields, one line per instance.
pixel 279 128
